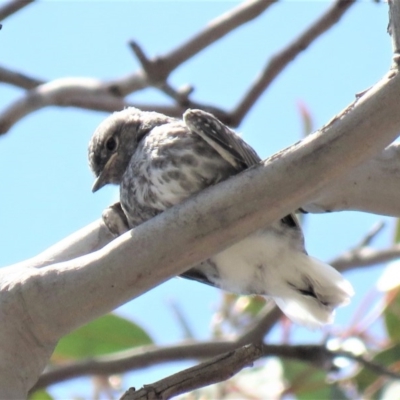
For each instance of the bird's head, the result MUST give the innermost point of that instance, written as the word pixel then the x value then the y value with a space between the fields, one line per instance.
pixel 116 140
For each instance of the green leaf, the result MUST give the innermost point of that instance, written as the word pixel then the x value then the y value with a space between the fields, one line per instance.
pixel 366 378
pixel 397 232
pixel 392 314
pixel 337 393
pixel 306 382
pixel 107 334
pixel 40 395
pixel 255 305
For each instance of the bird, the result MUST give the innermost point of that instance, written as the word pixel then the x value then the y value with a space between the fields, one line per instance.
pixel 159 161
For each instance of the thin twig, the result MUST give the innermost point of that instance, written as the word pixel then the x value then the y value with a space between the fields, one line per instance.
pixel 224 366
pixel 214 31
pixel 108 96
pixel 18 79
pixel 262 326
pixel 371 234
pixel 181 320
pixel 146 356
pixel 371 365
pixel 278 62
pixel 132 360
pixel 155 77
pixel 365 257
pixel 394 30
pixel 12 7
pixel 217 369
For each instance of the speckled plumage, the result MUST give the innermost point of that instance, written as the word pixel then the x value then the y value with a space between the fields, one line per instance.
pixel 160 161
pixel 168 166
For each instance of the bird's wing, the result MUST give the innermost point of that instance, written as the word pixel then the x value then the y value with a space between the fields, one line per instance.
pixel 226 142
pixel 229 145
pixel 196 275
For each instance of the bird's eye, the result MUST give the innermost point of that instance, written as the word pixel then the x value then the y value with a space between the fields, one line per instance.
pixel 111 144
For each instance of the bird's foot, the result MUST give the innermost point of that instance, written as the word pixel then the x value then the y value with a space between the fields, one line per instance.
pixel 115 219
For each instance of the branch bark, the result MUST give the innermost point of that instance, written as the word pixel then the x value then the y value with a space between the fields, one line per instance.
pixel 226 365
pixel 360 256
pixel 12 7
pixel 18 79
pixel 370 187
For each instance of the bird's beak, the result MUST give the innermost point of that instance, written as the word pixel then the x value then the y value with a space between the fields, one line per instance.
pixel 104 176
pixel 99 182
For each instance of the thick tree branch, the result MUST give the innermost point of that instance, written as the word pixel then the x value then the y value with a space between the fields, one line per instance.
pixel 202 226
pixel 87 240
pixel 280 60
pixel 303 178
pixel 371 187
pixel 250 195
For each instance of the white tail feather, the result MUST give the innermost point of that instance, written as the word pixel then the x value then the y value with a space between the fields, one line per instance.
pixel 307 290
pixel 330 288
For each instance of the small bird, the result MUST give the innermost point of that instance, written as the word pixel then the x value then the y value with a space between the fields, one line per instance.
pixel 160 161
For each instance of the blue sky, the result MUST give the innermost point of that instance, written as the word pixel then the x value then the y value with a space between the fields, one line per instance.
pixel 46 182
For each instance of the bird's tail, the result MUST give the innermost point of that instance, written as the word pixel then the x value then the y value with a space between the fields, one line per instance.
pixel 311 295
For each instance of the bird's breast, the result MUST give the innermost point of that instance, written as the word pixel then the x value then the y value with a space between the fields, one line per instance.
pixel 164 172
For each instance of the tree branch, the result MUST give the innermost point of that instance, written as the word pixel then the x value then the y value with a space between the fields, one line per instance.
pixel 212 371
pixel 18 79
pixel 371 365
pixel 259 205
pixel 280 60
pixel 146 356
pixel 394 30
pixel 225 366
pixel 202 226
pixel 12 7
pixel 370 187
pixel 365 257
pixel 108 96
pixel 160 67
